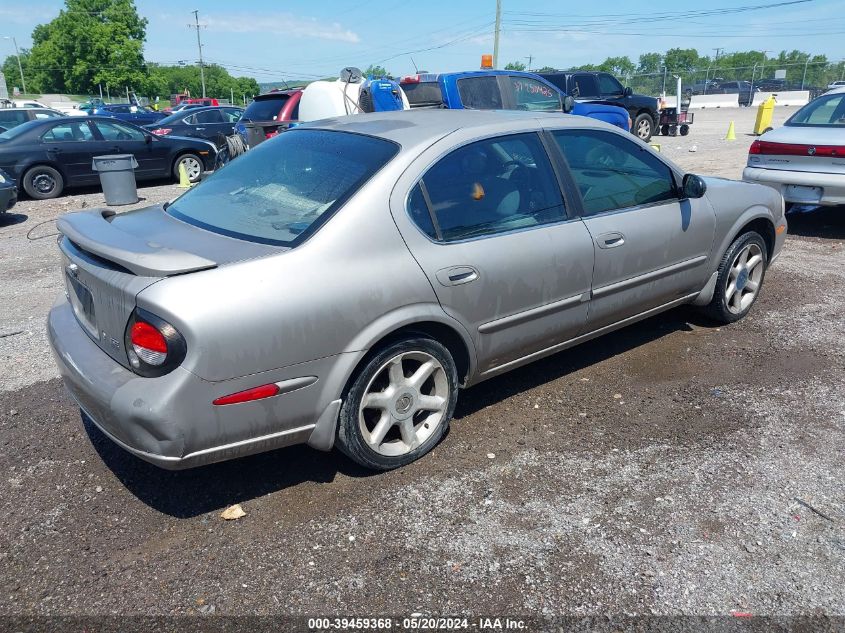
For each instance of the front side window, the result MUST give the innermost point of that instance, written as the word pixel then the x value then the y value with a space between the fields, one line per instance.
pixel 281 192
pixel 46 115
pixel 826 111
pixel 609 85
pixel 530 94
pixel 12 118
pixel 68 132
pixel 112 131
pixel 487 187
pixel 612 172
pixel 480 93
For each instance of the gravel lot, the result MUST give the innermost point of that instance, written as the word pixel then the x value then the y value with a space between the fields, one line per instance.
pixel 673 467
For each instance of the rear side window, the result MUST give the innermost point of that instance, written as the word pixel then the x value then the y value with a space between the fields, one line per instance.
pixel 283 190
pixel 67 132
pixel 488 187
pixel 533 95
pixel 206 116
pixel 585 86
pixel 423 93
pixel 480 93
pixel 265 109
pixel 612 172
pixel 114 131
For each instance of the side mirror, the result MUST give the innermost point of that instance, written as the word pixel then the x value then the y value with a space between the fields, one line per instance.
pixel 693 186
pixel 568 104
pixel 628 91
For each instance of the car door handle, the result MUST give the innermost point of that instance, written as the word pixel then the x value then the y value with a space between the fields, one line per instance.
pixel 55 150
pixel 610 240
pixel 457 275
pixel 199 128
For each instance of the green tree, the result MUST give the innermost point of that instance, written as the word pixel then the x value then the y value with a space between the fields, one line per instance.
pixel 682 60
pixel 374 70
pixel 13 72
pixel 515 66
pixel 546 69
pixel 619 66
pixel 650 63
pixel 91 42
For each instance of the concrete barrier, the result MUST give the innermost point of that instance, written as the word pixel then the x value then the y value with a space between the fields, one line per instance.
pixel 698 102
pixel 785 98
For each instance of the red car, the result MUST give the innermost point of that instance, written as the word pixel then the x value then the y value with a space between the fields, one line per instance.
pixel 267 113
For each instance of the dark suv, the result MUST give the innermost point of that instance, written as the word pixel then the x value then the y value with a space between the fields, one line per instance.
pixel 597 86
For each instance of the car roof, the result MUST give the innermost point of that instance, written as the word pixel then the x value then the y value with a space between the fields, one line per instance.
pixel 276 93
pixel 38 109
pixel 420 126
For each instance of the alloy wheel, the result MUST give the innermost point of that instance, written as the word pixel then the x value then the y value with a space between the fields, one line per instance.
pixel 643 129
pixel 404 403
pixel 744 278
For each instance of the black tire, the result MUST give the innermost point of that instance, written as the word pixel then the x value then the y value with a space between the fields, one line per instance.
pixel 192 177
pixel 42 182
pixel 643 127
pixel 350 439
pixel 664 130
pixel 718 309
pixel 684 130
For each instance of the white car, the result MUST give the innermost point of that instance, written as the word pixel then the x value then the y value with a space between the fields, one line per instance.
pixel 30 104
pixel 805 159
pixel 836 84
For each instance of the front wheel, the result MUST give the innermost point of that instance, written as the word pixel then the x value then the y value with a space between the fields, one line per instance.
pixel 43 183
pixel 193 167
pixel 643 126
pixel 740 278
pixel 399 405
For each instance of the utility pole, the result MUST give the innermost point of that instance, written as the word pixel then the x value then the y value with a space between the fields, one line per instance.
pixel 530 58
pixel 18 55
pixel 804 76
pixel 196 25
pixel 496 36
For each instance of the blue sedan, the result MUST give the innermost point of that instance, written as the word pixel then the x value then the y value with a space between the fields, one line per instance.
pixel 138 115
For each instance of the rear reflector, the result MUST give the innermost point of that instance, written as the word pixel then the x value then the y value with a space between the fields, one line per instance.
pixel 796 149
pixel 149 344
pixel 256 393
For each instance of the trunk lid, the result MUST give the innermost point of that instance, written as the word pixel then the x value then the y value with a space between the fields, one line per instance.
pixel 805 148
pixel 108 259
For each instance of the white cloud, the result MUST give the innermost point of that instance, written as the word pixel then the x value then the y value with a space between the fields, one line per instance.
pixel 284 25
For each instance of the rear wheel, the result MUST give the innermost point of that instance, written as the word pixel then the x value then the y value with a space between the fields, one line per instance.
pixel 664 130
pixel 193 167
pixel 740 278
pixel 399 405
pixel 643 126
pixel 684 130
pixel 43 182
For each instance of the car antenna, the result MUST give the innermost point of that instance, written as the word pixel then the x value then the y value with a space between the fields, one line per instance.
pixel 416 70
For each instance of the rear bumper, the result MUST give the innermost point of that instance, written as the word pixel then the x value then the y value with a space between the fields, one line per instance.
pixel 8 197
pixel 171 422
pixel 830 188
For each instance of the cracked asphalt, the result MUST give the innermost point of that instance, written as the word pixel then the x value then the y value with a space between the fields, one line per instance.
pixel 670 468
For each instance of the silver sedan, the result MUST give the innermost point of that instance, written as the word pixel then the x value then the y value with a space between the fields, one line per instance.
pixel 339 284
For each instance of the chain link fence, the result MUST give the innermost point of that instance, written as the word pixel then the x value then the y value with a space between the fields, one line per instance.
pixel 812 76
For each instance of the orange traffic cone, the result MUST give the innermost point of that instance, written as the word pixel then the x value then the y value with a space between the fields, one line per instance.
pixel 731 133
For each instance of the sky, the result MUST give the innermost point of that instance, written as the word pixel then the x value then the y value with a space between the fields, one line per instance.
pixel 296 39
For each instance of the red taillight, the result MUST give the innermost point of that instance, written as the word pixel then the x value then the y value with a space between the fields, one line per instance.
pixel 795 149
pixel 163 131
pixel 410 79
pixel 148 343
pixel 271 134
pixel 256 393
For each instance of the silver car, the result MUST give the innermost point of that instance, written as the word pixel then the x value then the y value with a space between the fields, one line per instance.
pixel 337 285
pixel 805 159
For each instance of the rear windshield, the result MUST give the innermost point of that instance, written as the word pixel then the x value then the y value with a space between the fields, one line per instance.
pixel 423 93
pixel 23 128
pixel 828 111
pixel 281 191
pixel 265 109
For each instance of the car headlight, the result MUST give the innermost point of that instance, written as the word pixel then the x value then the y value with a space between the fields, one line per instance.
pixel 2 179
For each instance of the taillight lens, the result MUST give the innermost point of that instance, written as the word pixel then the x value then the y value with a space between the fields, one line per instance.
pixel 163 131
pixel 148 343
pixel 153 346
pixel 795 149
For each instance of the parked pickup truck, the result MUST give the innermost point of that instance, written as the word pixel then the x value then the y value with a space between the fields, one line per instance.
pixel 502 90
pixel 604 87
